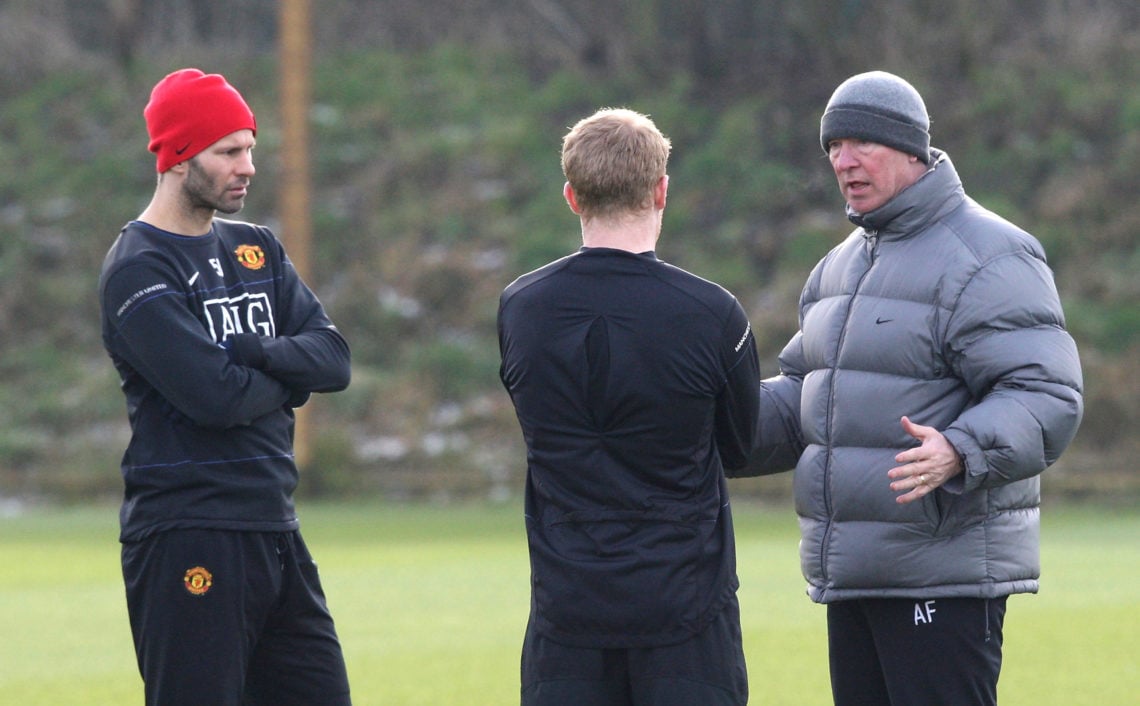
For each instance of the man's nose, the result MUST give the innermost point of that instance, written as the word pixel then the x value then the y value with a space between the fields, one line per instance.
pixel 843 157
pixel 245 165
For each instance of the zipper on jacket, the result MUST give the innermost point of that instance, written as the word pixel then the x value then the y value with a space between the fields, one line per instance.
pixel 872 247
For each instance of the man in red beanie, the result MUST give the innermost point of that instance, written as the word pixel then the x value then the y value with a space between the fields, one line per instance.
pixel 216 340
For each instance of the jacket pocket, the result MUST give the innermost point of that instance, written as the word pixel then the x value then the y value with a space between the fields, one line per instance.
pixel 933 508
pixel 958 512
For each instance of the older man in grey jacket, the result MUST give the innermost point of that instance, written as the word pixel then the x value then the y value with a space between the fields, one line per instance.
pixel 931 381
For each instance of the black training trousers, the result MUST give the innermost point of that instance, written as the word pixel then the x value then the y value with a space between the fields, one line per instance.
pixel 231 618
pixel 705 670
pixel 907 652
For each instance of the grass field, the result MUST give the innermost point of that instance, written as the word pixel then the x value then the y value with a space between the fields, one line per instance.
pixel 431 602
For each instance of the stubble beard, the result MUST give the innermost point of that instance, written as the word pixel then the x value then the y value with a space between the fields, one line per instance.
pixel 203 194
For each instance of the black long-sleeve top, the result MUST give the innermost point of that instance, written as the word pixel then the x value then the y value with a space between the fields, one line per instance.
pixel 635 384
pixel 216 339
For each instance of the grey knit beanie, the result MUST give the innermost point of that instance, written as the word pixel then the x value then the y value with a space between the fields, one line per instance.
pixel 879 107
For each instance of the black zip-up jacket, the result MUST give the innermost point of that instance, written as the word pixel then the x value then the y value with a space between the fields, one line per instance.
pixel 216 339
pixel 635 384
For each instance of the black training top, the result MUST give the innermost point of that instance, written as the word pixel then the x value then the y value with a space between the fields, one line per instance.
pixel 215 339
pixel 636 384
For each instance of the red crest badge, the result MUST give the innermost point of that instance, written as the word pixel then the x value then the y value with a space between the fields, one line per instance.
pixel 250 256
pixel 198 581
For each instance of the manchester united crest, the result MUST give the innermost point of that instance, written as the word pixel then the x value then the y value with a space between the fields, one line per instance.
pixel 250 256
pixel 198 581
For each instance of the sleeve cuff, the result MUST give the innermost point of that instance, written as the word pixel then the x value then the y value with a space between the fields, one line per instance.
pixel 974 469
pixel 248 350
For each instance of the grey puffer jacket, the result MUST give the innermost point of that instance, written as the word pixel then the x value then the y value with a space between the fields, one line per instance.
pixel 937 309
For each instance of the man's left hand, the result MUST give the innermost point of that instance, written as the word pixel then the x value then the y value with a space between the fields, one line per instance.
pixel 926 466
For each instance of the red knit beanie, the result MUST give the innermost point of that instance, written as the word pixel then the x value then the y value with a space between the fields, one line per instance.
pixel 189 111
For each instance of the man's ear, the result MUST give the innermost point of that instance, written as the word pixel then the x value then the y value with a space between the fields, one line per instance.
pixel 660 192
pixel 571 199
pixel 180 168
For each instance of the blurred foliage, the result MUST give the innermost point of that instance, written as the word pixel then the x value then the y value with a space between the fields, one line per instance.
pixel 436 135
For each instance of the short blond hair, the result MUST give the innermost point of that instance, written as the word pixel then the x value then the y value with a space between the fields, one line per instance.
pixel 612 160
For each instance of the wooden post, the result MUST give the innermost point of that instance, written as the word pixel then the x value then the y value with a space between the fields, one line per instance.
pixel 295 47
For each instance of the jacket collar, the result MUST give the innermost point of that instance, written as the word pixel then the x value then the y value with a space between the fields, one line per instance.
pixel 935 193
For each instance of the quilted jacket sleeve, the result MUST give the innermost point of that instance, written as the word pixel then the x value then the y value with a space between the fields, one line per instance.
pixel 1008 343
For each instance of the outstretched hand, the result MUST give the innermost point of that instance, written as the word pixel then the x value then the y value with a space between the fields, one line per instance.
pixel 924 467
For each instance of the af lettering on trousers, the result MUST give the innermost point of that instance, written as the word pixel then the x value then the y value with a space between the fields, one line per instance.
pixel 899 651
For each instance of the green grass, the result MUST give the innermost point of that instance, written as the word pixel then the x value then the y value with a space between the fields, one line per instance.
pixel 431 603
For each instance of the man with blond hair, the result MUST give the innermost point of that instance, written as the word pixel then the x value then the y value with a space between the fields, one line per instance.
pixel 636 385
